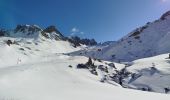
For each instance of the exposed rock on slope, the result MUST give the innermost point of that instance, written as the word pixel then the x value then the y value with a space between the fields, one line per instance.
pixel 53 33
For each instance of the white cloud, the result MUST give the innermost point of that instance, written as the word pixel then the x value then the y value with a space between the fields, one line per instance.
pixel 76 31
pixel 81 33
pixel 164 0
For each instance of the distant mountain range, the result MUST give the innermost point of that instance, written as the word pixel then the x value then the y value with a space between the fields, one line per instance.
pixel 51 32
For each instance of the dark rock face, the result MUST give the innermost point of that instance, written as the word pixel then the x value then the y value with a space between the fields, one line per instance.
pixel 51 29
pixel 48 32
pixel 30 29
pixel 77 41
pixel 82 66
pixel 163 17
pixel 89 65
pixel 9 42
pixel 138 31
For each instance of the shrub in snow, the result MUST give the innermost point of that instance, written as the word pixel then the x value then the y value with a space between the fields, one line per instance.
pixel 70 66
pixel 166 90
pixel 21 49
pixel 9 42
pixel 82 66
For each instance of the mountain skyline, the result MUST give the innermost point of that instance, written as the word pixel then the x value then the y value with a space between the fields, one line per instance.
pixel 48 49
pixel 102 20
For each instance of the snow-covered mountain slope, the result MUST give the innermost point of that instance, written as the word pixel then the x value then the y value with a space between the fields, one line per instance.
pixel 107 43
pixel 48 77
pixel 34 32
pixel 153 73
pixel 147 74
pixel 42 64
pixel 149 40
pixel 34 65
pixel 21 50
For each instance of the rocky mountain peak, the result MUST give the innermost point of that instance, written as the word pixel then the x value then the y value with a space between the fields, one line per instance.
pixel 27 28
pixel 163 17
pixel 51 29
pixel 52 32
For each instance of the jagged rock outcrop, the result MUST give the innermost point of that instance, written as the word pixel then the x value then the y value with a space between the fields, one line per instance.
pixel 77 41
pixel 30 29
pixel 52 33
pixel 163 17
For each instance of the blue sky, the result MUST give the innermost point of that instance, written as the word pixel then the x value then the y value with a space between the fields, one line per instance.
pixel 100 19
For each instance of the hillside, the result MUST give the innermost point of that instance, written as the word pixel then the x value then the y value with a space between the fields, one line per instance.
pixel 43 64
pixel 149 40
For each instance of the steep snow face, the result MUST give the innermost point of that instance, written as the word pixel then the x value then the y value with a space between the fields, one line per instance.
pixel 149 40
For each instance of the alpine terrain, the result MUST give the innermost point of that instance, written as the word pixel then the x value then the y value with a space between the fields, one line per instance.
pixel 43 64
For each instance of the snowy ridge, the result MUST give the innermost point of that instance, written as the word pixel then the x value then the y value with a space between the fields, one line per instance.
pixel 149 40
